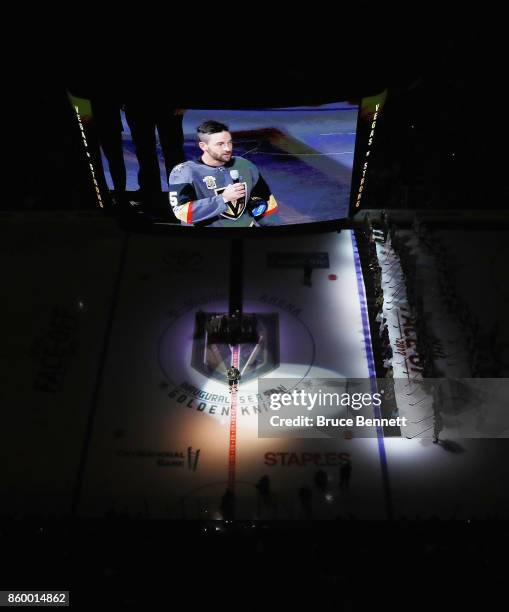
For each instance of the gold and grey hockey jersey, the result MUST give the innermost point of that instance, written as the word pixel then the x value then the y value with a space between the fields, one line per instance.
pixel 195 195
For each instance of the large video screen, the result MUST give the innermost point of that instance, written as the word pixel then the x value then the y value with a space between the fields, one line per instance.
pixel 225 168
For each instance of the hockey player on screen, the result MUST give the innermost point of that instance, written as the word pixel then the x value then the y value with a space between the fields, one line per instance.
pixel 219 189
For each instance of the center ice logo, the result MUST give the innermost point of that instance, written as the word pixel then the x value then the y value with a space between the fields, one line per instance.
pixel 259 350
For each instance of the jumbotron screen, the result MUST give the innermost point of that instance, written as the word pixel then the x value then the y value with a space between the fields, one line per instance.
pixel 227 168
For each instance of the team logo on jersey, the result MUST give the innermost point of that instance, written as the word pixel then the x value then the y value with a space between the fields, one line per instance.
pixel 235 207
pixel 210 182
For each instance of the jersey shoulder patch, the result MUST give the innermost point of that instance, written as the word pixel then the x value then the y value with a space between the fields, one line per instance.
pixel 179 167
pixel 182 173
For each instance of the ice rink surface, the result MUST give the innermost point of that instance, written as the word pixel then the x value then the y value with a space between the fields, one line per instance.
pixel 107 407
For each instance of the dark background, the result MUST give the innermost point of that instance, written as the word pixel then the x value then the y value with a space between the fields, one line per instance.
pixel 439 145
pixel 439 142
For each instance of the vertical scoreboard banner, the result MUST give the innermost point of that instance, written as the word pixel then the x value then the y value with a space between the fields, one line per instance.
pixel 369 117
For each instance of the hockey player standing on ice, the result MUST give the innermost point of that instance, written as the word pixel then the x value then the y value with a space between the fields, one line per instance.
pixel 219 189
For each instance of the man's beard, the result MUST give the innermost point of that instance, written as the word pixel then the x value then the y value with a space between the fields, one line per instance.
pixel 220 157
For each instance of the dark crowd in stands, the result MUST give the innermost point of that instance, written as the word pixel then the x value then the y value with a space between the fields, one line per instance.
pixel 131 563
